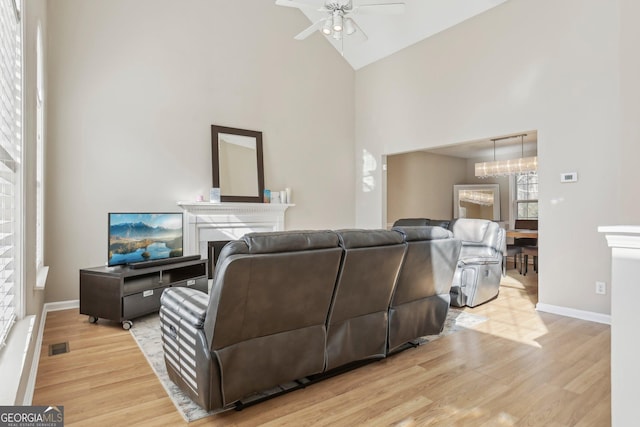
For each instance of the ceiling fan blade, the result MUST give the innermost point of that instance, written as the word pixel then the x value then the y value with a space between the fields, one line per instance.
pixel 310 30
pixel 301 4
pixel 359 34
pixel 380 9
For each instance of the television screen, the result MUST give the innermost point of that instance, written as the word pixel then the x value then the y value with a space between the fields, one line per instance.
pixel 135 237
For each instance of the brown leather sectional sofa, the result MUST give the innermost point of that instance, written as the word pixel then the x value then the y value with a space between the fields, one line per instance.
pixel 288 306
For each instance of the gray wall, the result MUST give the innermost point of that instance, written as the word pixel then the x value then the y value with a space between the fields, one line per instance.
pixel 133 89
pixel 548 65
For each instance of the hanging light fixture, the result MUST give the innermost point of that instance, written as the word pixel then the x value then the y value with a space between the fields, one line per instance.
pixel 337 20
pixel 507 167
pixel 327 27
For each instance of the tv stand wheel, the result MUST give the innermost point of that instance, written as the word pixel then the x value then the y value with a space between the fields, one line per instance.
pixel 93 319
pixel 127 324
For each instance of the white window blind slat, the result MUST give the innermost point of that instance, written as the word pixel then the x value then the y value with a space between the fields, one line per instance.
pixel 10 148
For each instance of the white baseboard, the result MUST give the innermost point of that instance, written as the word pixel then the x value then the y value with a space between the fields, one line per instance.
pixel 575 313
pixel 61 305
pixel 50 306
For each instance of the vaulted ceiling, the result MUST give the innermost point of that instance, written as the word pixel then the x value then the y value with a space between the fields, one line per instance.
pixel 388 34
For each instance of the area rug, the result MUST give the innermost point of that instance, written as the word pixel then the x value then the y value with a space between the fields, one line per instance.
pixel 146 332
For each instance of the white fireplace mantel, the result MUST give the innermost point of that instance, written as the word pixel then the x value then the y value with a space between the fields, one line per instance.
pixel 206 222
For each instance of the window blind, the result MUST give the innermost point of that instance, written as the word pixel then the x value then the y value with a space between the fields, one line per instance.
pixel 10 149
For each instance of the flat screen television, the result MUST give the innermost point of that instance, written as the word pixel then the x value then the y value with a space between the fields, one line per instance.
pixel 136 237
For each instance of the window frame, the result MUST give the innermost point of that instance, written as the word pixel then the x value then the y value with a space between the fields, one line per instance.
pixel 41 269
pixel 11 144
pixel 517 201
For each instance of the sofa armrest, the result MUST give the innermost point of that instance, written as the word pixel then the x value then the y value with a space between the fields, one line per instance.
pixel 480 260
pixel 186 351
pixel 185 306
pixel 473 255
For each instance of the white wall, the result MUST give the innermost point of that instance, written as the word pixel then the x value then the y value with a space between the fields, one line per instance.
pixel 630 102
pixel 548 65
pixel 134 88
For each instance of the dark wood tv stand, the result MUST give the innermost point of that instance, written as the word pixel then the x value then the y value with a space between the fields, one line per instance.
pixel 122 293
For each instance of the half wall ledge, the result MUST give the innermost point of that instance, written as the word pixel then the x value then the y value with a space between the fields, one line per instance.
pixel 624 241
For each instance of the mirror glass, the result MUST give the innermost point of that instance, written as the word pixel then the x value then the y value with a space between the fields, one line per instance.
pixel 237 164
pixel 477 201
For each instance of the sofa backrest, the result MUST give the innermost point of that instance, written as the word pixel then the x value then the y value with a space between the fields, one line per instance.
pixel 411 222
pixel 428 265
pixel 357 322
pixel 268 305
pixel 477 232
pixel 421 299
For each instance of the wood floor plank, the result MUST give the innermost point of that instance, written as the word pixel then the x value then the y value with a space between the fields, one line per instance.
pixel 520 367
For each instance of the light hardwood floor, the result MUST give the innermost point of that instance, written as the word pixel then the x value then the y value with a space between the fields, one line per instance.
pixel 519 368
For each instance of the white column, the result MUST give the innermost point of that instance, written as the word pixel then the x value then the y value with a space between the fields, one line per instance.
pixel 625 298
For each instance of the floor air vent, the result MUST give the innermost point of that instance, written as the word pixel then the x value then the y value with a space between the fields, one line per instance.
pixel 60 348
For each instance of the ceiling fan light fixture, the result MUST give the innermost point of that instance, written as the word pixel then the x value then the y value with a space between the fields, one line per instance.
pixel 337 21
pixel 349 28
pixel 326 28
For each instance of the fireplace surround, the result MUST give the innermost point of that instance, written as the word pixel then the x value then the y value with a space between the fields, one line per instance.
pixel 208 225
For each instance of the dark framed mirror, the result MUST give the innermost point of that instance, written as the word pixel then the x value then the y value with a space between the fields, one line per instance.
pixel 237 164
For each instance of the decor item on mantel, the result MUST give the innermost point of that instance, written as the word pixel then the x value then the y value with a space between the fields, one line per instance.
pixel 507 167
pixel 214 195
pixel 282 196
pixel 237 166
pixel 275 197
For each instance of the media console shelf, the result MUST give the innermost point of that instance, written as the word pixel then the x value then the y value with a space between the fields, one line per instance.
pixel 122 293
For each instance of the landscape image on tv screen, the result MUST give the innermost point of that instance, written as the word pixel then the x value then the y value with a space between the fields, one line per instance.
pixel 135 237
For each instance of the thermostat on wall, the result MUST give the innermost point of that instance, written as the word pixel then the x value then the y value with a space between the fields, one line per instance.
pixel 569 177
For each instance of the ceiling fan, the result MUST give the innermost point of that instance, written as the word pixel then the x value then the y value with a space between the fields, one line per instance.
pixel 338 20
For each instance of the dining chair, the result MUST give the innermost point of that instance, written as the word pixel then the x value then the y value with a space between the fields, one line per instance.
pixel 515 249
pixel 526 251
pixel 528 246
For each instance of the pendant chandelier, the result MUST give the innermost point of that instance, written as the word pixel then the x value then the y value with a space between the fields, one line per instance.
pixel 507 167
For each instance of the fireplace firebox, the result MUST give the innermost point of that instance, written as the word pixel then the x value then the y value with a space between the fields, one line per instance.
pixel 213 253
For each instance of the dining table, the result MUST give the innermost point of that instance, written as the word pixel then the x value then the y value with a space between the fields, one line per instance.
pixel 520 234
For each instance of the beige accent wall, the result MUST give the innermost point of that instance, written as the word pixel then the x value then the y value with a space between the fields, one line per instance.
pixel 548 65
pixel 420 185
pixel 134 89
